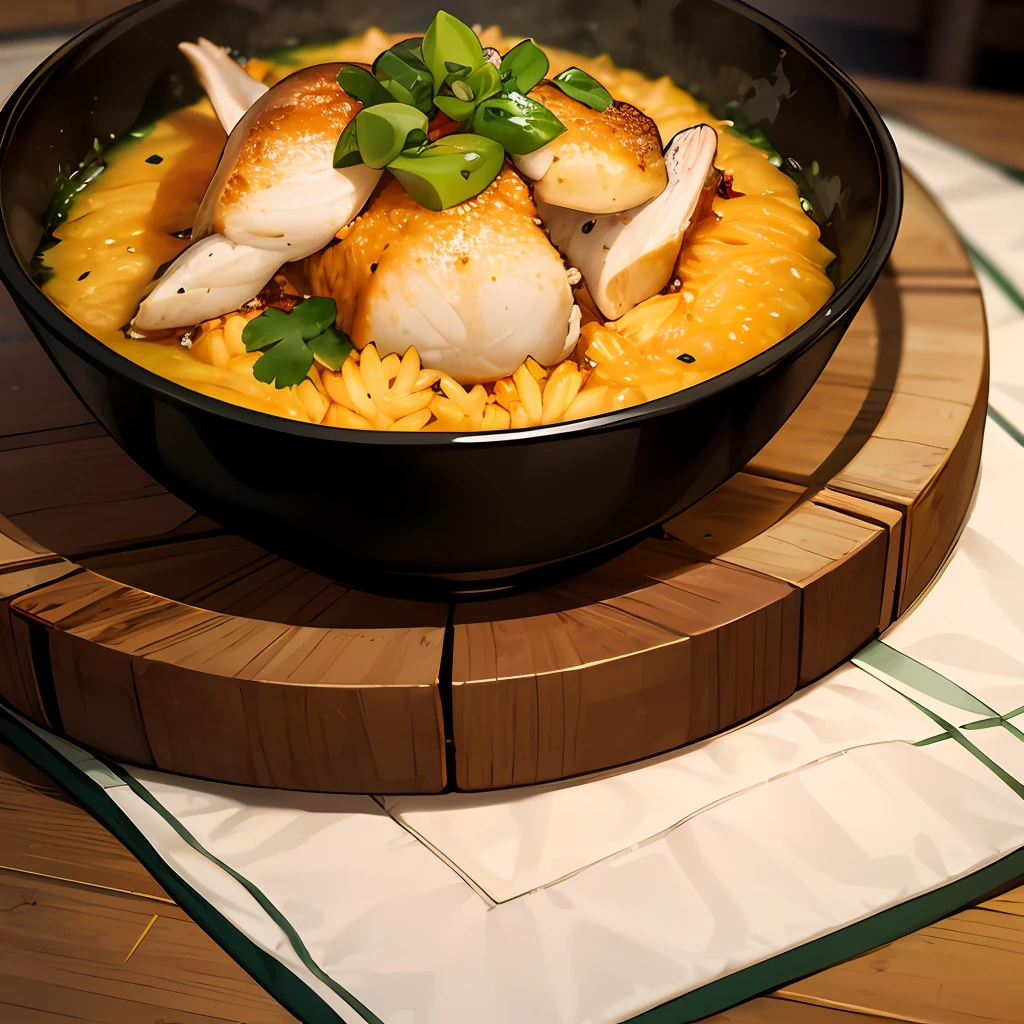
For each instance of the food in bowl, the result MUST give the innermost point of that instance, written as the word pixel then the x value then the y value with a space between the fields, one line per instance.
pixel 454 232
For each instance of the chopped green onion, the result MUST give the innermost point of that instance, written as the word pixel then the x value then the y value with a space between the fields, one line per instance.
pixel 449 41
pixel 362 86
pixel 519 123
pixel 403 73
pixel 346 153
pixel 463 90
pixel 484 81
pixel 385 129
pixel 585 88
pixel 449 171
pixel 68 186
pixel 523 67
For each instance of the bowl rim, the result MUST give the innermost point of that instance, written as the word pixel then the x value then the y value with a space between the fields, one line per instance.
pixel 845 298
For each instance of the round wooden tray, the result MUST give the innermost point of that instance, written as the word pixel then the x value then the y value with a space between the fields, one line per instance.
pixel 142 630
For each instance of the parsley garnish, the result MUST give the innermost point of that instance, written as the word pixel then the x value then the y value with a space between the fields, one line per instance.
pixel 289 341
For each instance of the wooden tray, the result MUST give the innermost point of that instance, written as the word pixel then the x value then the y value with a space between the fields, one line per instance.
pixel 144 631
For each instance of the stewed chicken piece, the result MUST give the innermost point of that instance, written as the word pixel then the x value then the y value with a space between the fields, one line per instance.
pixel 628 257
pixel 476 288
pixel 276 196
pixel 602 163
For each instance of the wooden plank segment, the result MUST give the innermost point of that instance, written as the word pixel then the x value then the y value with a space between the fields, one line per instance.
pixel 244 700
pixel 227 574
pixel 744 630
pixel 962 970
pixel 18 685
pixel 646 653
pixel 889 519
pixel 839 564
pixel 923 455
pixel 552 683
pixel 735 513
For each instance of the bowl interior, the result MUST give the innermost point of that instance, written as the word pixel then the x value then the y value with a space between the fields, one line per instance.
pixel 129 71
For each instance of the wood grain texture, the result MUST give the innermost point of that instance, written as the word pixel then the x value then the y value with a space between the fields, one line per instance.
pixel 238 699
pixel 923 455
pixel 892 522
pixel 83 493
pixel 971 118
pixel 18 684
pixel 75 940
pixel 839 564
pixel 648 652
pixel 43 832
pixel 962 970
pixel 772 1010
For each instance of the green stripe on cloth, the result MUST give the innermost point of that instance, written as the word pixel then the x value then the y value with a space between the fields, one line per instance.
pixel 1000 420
pixel 879 655
pixel 268 908
pixel 878 659
pixel 269 973
pixel 992 271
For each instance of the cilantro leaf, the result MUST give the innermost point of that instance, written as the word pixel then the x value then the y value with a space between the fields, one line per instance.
pixel 269 327
pixel 285 363
pixel 331 348
pixel 314 316
pixel 289 341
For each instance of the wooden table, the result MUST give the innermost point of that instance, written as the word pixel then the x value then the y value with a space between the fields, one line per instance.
pixel 86 934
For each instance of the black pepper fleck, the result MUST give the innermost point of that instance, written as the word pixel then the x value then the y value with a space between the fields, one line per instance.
pixel 687 358
pixel 181 291
pixel 82 277
pixel 373 267
pixel 589 226
pixel 154 159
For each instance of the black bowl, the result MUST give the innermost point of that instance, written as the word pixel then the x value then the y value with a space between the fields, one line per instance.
pixel 444 513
